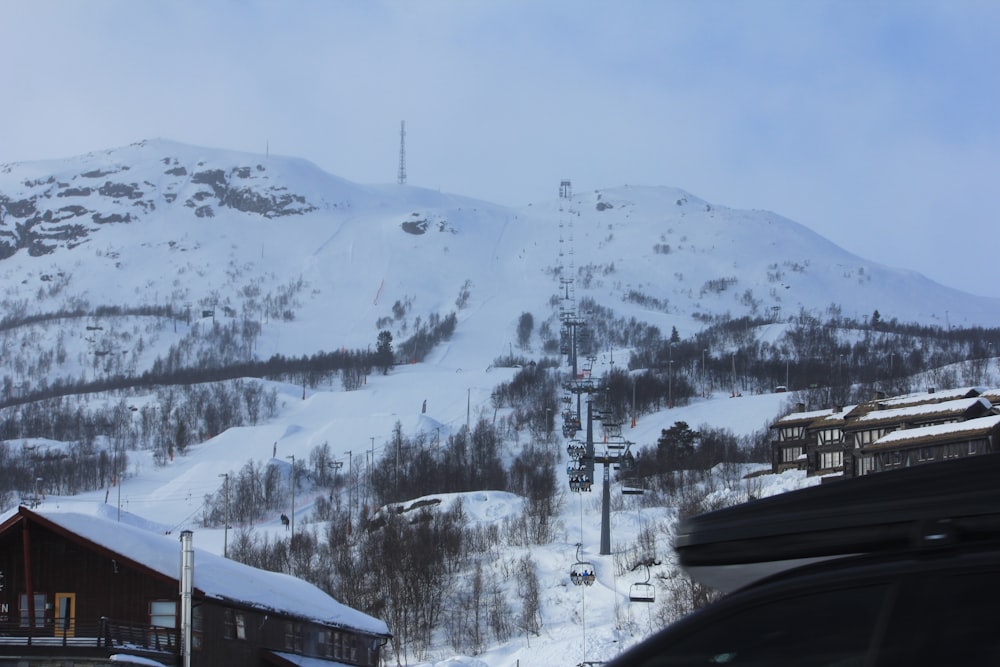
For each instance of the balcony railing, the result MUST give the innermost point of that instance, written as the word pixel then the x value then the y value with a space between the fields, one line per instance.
pixel 104 632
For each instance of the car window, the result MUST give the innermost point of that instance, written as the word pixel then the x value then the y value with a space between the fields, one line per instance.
pixel 946 619
pixel 821 628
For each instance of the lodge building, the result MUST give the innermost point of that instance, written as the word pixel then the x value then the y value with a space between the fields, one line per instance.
pixel 887 433
pixel 84 590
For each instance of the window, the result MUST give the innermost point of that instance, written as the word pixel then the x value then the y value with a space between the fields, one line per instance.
pixel 791 454
pixel 39 610
pixel 234 624
pixel 325 643
pixel 293 636
pixel 831 460
pixel 865 465
pixel 163 613
pixel 197 627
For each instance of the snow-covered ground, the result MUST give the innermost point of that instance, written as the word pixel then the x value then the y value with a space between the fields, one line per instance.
pixel 578 623
pixel 360 259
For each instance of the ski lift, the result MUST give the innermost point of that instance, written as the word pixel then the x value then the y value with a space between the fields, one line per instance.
pixel 633 484
pixel 580 482
pixel 582 573
pixel 575 449
pixel 617 444
pixel 642 591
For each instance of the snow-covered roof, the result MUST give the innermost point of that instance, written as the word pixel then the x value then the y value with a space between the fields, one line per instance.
pixel 930 396
pixel 796 417
pixel 938 432
pixel 836 416
pixel 956 407
pixel 215 576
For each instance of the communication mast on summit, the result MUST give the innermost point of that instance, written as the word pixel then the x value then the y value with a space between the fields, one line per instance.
pixel 401 175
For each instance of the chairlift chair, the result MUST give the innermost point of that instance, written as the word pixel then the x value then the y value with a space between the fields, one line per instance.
pixel 612 429
pixel 642 591
pixel 579 482
pixel 633 486
pixel 582 573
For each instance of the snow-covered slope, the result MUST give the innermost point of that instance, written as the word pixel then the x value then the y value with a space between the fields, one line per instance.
pixel 319 264
pixel 193 228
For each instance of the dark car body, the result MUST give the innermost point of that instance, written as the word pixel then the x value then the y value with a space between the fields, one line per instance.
pixel 898 568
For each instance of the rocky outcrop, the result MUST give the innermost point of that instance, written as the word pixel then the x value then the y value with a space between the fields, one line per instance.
pixel 64 210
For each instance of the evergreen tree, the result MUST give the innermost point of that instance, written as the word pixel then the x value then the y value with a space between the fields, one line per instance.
pixel 383 351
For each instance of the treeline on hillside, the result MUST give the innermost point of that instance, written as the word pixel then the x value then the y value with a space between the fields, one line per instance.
pixel 28 475
pixel 532 394
pixel 832 358
pixel 841 359
pixel 397 559
pixel 392 548
pixel 305 370
pixel 179 368
pixel 17 313
pixel 403 569
pixel 665 467
pixel 93 439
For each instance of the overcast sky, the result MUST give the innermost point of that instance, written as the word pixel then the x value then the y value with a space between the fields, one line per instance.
pixel 876 123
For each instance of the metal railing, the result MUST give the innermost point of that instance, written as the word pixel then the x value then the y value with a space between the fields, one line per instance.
pixel 103 632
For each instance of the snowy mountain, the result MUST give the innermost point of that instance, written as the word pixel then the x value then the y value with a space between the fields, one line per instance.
pixel 113 260
pixel 169 224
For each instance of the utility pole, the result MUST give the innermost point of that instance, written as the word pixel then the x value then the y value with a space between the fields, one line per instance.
pixel 291 537
pixel 350 488
pixel 371 469
pixel 225 532
pixel 670 377
pixel 704 375
pixel 401 175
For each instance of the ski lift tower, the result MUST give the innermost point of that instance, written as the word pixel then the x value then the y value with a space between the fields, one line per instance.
pixel 401 175
pixel 617 454
pixel 565 190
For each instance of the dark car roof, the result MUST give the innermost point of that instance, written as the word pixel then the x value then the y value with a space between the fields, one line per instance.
pixel 883 512
pixel 836 573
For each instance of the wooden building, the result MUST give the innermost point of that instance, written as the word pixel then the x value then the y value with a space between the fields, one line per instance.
pixel 854 441
pixel 80 589
pixel 916 446
pixel 792 437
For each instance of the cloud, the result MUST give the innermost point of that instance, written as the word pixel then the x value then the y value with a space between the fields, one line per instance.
pixel 873 123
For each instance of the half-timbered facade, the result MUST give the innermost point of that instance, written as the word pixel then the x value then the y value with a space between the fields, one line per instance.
pixel 826 446
pixel 792 437
pixel 79 589
pixel 849 441
pixel 917 446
